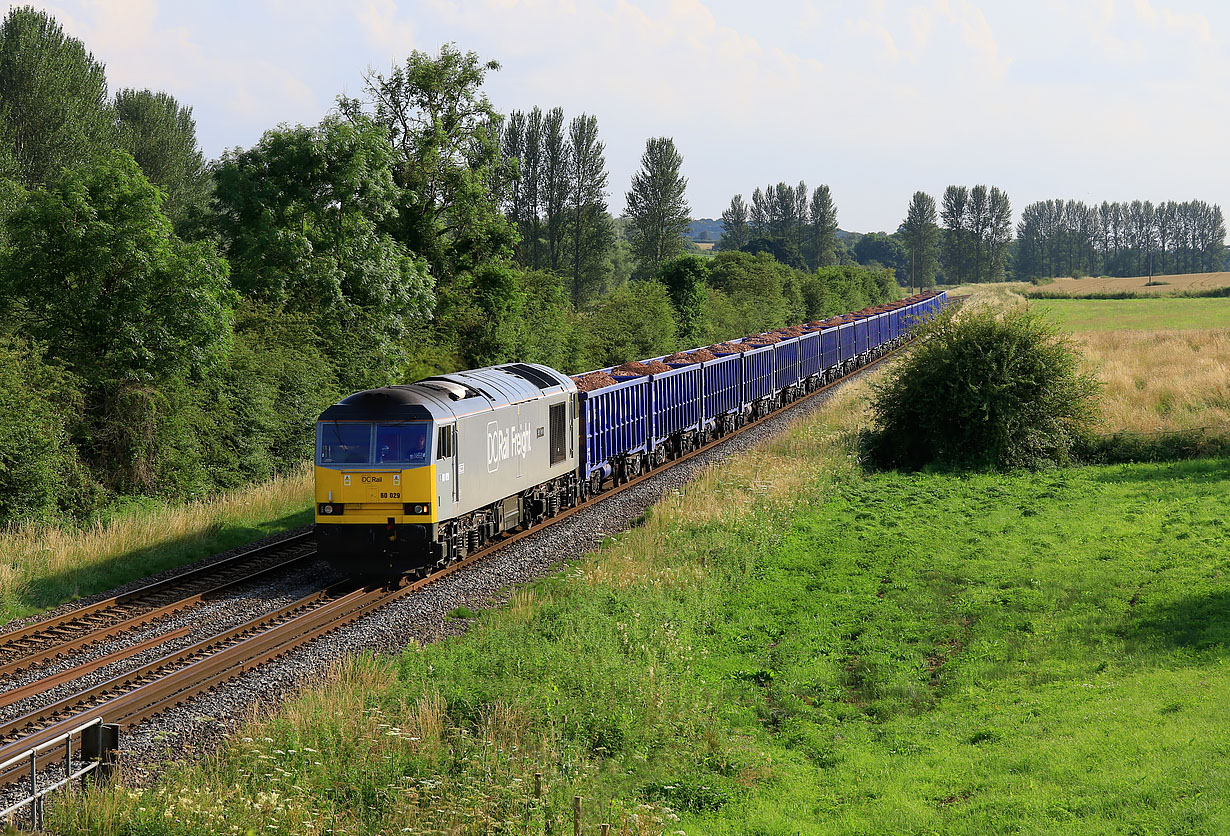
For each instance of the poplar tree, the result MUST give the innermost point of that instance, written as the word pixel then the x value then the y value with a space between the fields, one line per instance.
pixel 54 107
pixel 735 229
pixel 589 232
pixel 821 246
pixel 657 206
pixel 161 136
pixel 921 235
pixel 554 187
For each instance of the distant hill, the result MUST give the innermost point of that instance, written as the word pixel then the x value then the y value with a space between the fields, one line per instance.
pixel 705 230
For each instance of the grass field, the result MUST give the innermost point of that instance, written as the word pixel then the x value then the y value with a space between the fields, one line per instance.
pixel 43 566
pixel 789 647
pixel 1083 315
pixel 1162 285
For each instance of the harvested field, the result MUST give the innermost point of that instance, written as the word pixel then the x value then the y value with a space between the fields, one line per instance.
pixel 1185 282
pixel 1161 380
pixel 593 380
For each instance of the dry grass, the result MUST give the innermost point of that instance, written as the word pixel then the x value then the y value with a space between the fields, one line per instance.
pixel 768 475
pixel 1162 380
pixel 1180 283
pixel 45 565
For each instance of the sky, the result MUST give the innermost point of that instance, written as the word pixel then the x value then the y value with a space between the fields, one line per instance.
pixel 1086 99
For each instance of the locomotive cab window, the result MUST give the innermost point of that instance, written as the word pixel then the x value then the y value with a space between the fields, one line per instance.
pixel 360 442
pixel 444 443
pixel 401 443
pixel 343 442
pixel 558 420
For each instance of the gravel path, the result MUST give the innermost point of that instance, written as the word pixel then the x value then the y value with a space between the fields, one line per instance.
pixel 199 725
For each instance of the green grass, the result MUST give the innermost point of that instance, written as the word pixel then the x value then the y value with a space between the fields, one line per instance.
pixel 1137 314
pixel 924 653
pixel 42 566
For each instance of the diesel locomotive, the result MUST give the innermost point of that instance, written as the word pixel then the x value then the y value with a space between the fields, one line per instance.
pixel 412 477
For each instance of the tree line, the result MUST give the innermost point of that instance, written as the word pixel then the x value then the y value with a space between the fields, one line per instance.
pixel 1072 238
pixel 797 229
pixel 175 324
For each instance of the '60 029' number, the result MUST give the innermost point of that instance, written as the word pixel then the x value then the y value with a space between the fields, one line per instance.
pixel 390 496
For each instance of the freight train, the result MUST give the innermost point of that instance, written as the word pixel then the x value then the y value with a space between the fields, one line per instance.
pixel 412 477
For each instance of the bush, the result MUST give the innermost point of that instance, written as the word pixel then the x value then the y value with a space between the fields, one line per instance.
pixel 984 388
pixel 41 476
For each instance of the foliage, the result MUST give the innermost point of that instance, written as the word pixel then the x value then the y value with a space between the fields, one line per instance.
pixel 684 278
pixel 441 131
pixel 878 249
pixel 920 236
pixel 985 387
pixel 977 233
pixel 657 206
pixel 304 217
pixel 735 228
pixel 822 229
pixel 54 108
pixel 161 136
pixel 107 285
pixel 41 477
pixel 588 231
pixel 1067 238
pixel 632 322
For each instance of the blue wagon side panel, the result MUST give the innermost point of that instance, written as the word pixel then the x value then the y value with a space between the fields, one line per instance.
pixel 616 420
pixel 723 385
pixel 757 374
pixel 860 335
pixel 787 363
pixel 845 340
pixel 809 354
pixel 676 400
pixel 829 356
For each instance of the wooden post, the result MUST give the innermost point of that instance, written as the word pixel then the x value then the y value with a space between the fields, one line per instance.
pixel 605 830
pixel 538 785
pixel 576 815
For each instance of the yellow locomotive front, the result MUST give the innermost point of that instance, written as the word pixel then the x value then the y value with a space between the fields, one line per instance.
pixel 376 504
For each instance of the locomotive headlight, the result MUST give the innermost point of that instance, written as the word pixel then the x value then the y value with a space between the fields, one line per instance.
pixel 330 509
pixel 417 508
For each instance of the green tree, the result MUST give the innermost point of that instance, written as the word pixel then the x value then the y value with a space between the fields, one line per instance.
pixel 684 278
pixel 554 187
pixel 878 248
pixel 758 287
pixel 821 244
pixel 161 136
pixel 658 212
pixel 588 226
pixel 957 246
pixel 632 322
pixel 736 231
pixel 54 107
pixel 116 297
pixel 444 136
pixel 303 216
pixel 921 237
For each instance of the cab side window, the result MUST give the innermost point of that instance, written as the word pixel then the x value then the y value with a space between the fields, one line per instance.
pixel 444 444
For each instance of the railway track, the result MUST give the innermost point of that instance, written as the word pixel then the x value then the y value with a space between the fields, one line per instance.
pixel 177 677
pixel 40 642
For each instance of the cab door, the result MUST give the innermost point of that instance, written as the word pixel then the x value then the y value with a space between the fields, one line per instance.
pixel 447 482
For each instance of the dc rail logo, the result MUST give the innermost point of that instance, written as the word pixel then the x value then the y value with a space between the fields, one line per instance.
pixel 504 444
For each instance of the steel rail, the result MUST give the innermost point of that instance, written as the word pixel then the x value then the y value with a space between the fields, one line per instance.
pixel 24 646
